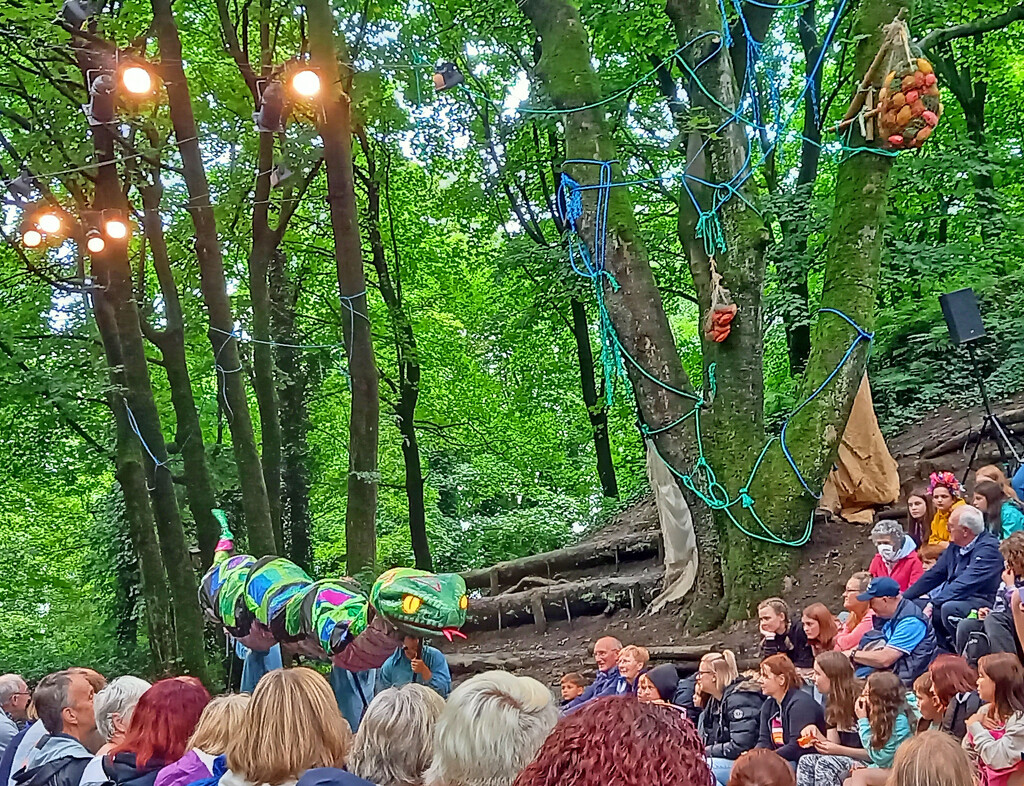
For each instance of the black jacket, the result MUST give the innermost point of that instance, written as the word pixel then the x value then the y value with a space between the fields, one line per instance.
pixel 57 760
pixel 792 643
pixel 122 770
pixel 798 709
pixel 730 726
pixel 959 710
pixel 682 698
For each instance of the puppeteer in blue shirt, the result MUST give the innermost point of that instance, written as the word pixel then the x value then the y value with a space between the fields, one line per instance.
pixel 415 662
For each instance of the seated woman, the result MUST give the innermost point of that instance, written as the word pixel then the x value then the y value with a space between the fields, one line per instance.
pixel 885 719
pixel 996 732
pixel 1003 516
pixel 836 751
pixel 954 684
pixel 779 636
pixel 996 475
pixel 632 663
pixel 787 711
pixel 920 513
pixel 730 721
pixel 820 627
pixel 897 555
pixel 860 618
pixel 946 493
pixel 218 724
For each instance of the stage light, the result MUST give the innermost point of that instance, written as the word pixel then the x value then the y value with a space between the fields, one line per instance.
pixel 306 83
pixel 137 80
pixel 447 76
pixel 49 223
pixel 116 228
pixel 94 241
pixel 31 238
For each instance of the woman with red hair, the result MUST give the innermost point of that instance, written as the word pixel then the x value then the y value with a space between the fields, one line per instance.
pixel 621 741
pixel 161 725
pixel 820 627
pixel 954 684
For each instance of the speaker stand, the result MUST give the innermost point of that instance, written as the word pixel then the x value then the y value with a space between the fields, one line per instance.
pixel 992 427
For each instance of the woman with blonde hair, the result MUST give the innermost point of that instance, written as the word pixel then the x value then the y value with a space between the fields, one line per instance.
pixel 292 724
pixel 217 726
pixel 395 742
pixel 931 758
pixel 632 662
pixel 731 719
pixel 491 728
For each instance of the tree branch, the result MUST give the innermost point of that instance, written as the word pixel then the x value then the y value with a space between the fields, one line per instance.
pixel 943 35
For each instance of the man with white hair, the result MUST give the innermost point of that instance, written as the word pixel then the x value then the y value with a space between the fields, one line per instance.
pixel 964 578
pixel 14 696
pixel 606 656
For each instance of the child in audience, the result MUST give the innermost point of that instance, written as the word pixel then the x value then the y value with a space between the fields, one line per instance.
pixel 996 732
pixel 573 686
pixel 779 636
pixel 946 493
pixel 659 685
pixel 932 758
pixel 840 746
pixel 927 705
pixel 820 628
pixel 995 474
pixel 787 711
pixel 930 553
pixel 1003 515
pixel 920 513
pixel 762 768
pixel 885 719
pixel 860 618
pixel 954 683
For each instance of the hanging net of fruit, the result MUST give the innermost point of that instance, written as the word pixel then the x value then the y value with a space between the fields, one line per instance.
pixel 908 102
pixel 718 323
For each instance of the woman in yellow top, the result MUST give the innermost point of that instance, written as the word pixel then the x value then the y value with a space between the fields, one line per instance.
pixel 947 493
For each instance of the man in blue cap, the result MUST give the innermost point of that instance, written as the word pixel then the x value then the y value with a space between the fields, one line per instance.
pixel 902 640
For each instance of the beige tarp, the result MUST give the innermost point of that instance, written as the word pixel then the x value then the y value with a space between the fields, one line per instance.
pixel 866 473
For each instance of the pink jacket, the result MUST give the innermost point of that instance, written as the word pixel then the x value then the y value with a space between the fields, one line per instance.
pixel 906 570
pixel 847 639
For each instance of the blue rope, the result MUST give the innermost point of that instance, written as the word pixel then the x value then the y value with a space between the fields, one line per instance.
pixel 134 426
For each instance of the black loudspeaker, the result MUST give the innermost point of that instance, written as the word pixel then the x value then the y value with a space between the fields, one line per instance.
pixel 963 318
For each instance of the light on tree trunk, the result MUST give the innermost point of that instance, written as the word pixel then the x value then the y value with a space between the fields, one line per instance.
pixel 447 76
pixel 137 80
pixel 49 223
pixel 31 238
pixel 94 241
pixel 116 228
pixel 306 83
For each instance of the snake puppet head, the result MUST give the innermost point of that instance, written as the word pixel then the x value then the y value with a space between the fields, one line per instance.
pixel 419 603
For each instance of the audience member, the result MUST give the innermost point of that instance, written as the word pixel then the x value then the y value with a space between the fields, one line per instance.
pixel 928 707
pixel 820 628
pixel 63 701
pixel 930 553
pixel 947 494
pixel 992 630
pixel 885 719
pixel 616 741
pixel 331 776
pixel 964 579
pixel 220 721
pixel 493 726
pixel 920 513
pixel 659 685
pixel 292 724
pixel 787 711
pixel 395 742
pixel 113 707
pixel 632 661
pixel 606 655
pixel 897 555
pixel 997 476
pixel 902 640
pixel 1017 484
pixel 996 732
pixel 860 618
pixel 932 758
pixel 14 696
pixel 840 746
pixel 686 696
pixel 418 663
pixel 163 720
pixel 1003 515
pixel 762 767
pixel 730 721
pixel 953 685
pixel 780 637
pixel 573 685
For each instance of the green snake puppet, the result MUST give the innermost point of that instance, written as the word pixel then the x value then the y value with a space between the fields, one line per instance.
pixel 269 600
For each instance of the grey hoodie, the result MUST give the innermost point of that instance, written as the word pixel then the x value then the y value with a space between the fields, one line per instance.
pixel 57 760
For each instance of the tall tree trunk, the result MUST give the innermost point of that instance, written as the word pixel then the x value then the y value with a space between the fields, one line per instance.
pixel 335 126
pixel 214 285
pixel 597 410
pixel 112 270
pixel 202 498
pixel 635 307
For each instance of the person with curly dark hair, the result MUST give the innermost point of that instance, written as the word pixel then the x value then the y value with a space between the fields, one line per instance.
pixel 618 740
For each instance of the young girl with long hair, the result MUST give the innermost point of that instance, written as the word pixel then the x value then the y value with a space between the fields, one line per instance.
pixel 885 719
pixel 996 732
pixel 840 746
pixel 996 475
pixel 932 758
pixel 1003 515
pixel 820 627
pixel 920 513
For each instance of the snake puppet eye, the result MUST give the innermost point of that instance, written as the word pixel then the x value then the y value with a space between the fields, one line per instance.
pixel 411 604
pixel 464 602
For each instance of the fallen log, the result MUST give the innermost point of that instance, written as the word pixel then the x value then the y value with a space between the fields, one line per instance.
pixel 628 548
pixel 588 597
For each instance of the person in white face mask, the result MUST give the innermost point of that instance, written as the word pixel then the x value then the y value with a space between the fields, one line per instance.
pixel 897 555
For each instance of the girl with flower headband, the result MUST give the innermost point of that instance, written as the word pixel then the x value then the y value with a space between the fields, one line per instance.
pixel 947 494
